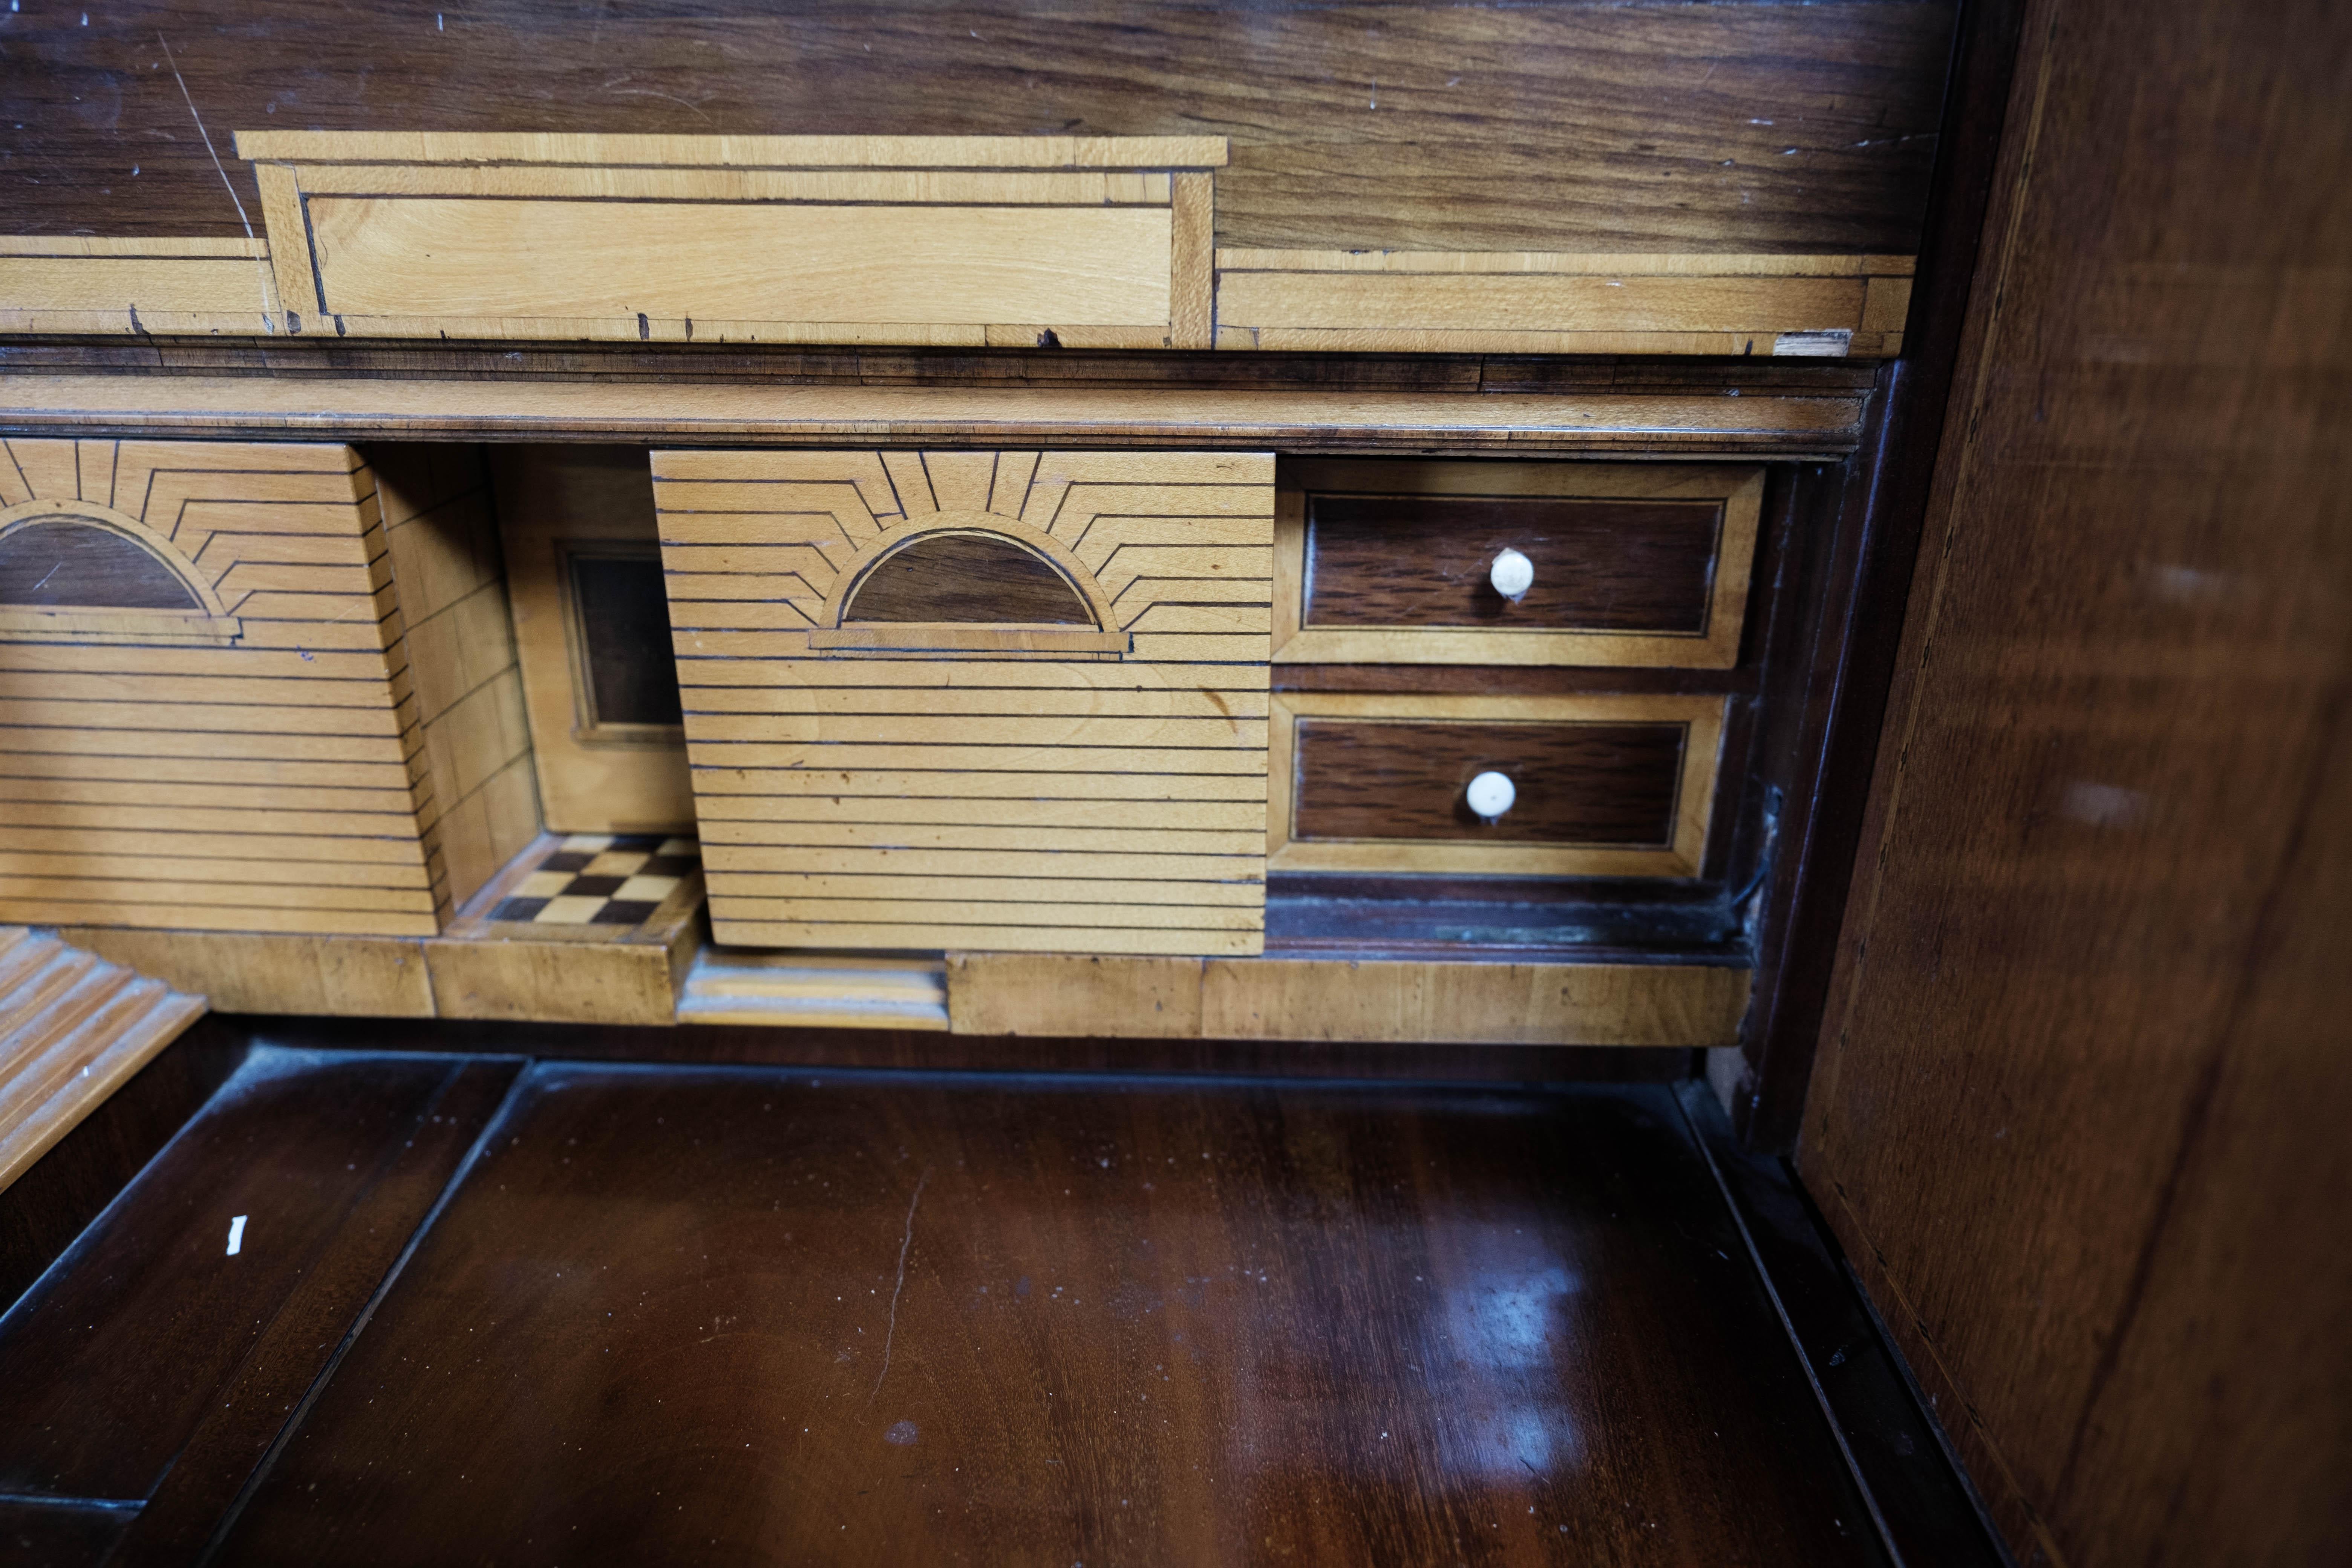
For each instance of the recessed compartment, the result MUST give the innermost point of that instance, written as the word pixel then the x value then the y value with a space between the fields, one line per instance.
pixel 1614 785
pixel 1459 562
pixel 584 575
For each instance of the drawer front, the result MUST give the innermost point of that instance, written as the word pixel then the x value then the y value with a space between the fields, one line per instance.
pixel 1627 564
pixel 978 701
pixel 1599 786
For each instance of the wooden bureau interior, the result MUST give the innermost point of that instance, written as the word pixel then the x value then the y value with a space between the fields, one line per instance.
pixel 1215 562
pixel 649 711
pixel 1175 782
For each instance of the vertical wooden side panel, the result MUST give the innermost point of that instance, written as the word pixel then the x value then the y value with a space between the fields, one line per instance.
pixel 2080 1106
pixel 478 790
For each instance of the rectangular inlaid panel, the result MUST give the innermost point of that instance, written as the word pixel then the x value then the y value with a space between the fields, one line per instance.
pixel 975 699
pixel 1423 560
pixel 1602 785
pixel 1575 783
pixel 208 718
pixel 1023 241
pixel 1391 562
pixel 1814 307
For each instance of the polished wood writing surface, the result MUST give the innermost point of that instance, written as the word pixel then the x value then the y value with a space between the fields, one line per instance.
pixel 736 1315
pixel 298 1147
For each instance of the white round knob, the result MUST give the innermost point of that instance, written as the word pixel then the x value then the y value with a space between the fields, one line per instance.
pixel 1490 794
pixel 1512 574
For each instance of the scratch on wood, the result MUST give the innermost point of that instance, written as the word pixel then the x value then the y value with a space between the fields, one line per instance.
pixel 890 1334
pixel 262 264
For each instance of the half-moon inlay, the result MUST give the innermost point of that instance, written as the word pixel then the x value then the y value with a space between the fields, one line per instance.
pixel 967 577
pixel 58 562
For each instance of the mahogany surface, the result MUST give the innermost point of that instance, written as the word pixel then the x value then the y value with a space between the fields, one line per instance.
pixel 1423 560
pixel 2080 1106
pixel 691 1314
pixel 117 1358
pixel 1615 128
pixel 1577 784
pixel 730 1315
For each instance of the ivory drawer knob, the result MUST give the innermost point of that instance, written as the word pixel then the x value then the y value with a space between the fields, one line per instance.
pixel 1512 574
pixel 1491 794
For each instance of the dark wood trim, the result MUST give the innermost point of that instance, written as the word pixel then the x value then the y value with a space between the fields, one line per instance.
pixel 1921 1500
pixel 921 1050
pixel 1046 369
pixel 1841 691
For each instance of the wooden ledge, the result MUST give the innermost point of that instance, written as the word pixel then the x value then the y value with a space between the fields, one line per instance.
pixel 1335 998
pixel 733 151
pixel 734 413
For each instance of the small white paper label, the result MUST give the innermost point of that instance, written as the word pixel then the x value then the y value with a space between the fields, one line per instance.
pixel 235 1234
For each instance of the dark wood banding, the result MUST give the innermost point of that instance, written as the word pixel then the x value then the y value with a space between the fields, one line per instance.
pixel 1423 560
pixel 1577 784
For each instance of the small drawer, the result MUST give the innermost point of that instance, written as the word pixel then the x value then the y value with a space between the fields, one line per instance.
pixel 1598 786
pixel 1623 563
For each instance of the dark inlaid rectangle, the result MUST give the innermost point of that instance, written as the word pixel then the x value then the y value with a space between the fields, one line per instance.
pixel 1423 560
pixel 621 625
pixel 1612 784
pixel 781 1316
pixel 112 1361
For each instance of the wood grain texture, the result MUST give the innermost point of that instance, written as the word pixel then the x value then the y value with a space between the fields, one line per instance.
pixel 738 238
pixel 1388 562
pixel 377 977
pixel 1574 784
pixel 1800 130
pixel 1538 303
pixel 442 538
pixel 553 502
pixel 1167 1385
pixel 407 409
pixel 302 1337
pixel 44 1211
pixel 292 1143
pixel 1167 559
pixel 1374 783
pixel 74 283
pixel 292 666
pixel 2079 1111
pixel 73 1029
pixel 1387 1001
